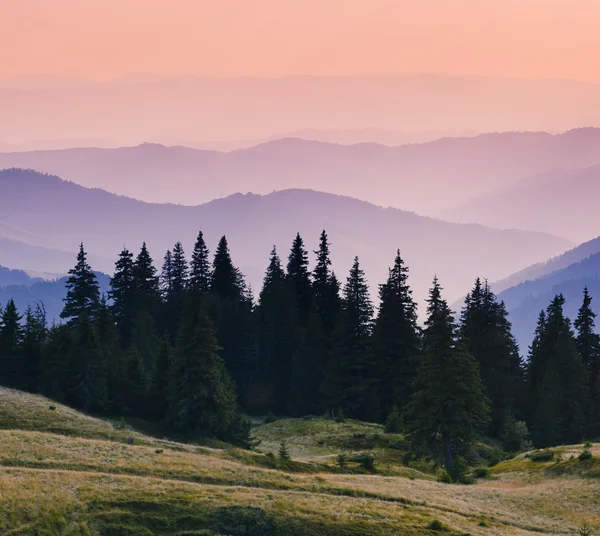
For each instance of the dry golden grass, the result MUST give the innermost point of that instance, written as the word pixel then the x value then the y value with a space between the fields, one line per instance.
pixel 97 485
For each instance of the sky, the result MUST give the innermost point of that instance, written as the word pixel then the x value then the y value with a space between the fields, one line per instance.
pixel 271 38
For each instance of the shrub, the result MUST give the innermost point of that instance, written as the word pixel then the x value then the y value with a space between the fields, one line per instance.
pixel 585 529
pixel 284 453
pixel 393 423
pixel 542 456
pixel 459 470
pixel 366 461
pixel 270 455
pixel 481 472
pixel 342 462
pixel 585 455
pixel 587 445
pixel 159 451
pixel 516 435
pixel 436 525
pixel 270 418
pixel 444 477
pixel 339 415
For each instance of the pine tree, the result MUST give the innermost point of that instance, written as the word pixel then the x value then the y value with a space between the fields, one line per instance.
pixel 135 383
pixel 83 292
pixel 225 279
pixel 353 352
pixel 277 337
pixel 35 333
pixel 87 387
pixel 122 295
pixel 200 267
pixel 166 275
pixel 110 355
pixel 487 335
pixel 160 377
pixel 397 344
pixel 201 394
pixel 588 341
pixel 298 277
pixel 448 404
pixel 555 376
pixel 180 269
pixel 12 365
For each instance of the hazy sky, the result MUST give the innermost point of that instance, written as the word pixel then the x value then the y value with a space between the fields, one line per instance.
pixel 108 38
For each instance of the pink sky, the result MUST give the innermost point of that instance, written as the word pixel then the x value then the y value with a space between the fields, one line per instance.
pixel 110 38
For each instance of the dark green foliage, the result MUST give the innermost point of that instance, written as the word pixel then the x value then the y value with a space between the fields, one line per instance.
pixel 585 455
pixel 515 435
pixel 542 456
pixel 555 375
pixel 588 346
pixel 179 269
pixel 396 342
pixel 13 366
pixel 298 276
pixel 225 279
pixel 481 472
pixel 201 396
pixel 122 294
pixel 166 275
pixel 284 453
pixel 487 335
pixel 35 333
pixel 393 423
pixel 436 525
pixel 448 405
pixel 352 352
pixel 199 280
pixel 83 292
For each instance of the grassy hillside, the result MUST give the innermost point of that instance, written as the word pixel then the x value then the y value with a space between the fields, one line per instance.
pixel 62 472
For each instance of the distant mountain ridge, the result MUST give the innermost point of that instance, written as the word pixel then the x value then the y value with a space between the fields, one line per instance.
pixel 560 200
pixel 427 178
pixel 59 215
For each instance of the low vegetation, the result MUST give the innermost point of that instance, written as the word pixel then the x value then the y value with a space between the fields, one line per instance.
pixel 63 472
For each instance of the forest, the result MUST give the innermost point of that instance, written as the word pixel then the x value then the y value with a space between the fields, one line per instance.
pixel 189 348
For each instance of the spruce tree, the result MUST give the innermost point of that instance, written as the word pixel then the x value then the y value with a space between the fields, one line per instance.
pixel 225 278
pixel 298 278
pixel 200 266
pixel 122 295
pixel 448 405
pixel 396 344
pixel 277 335
pixel 556 375
pixel 352 352
pixel 135 383
pixel 201 395
pixel 487 335
pixel 166 275
pixel 588 341
pixel 180 269
pixel 83 292
pixel 12 365
pixel 110 355
pixel 146 282
pixel 35 332
pixel 160 377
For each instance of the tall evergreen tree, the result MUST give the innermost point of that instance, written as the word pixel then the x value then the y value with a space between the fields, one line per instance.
pixel 225 279
pixel 298 277
pixel 556 375
pixel 35 332
pixel 110 356
pixel 12 365
pixel 200 266
pixel 122 295
pixel 352 353
pixel 83 292
pixel 201 394
pixel 180 269
pixel 487 335
pixel 397 344
pixel 448 404
pixel 166 275
pixel 146 282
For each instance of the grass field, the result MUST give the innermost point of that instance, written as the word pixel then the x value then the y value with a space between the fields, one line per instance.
pixel 65 473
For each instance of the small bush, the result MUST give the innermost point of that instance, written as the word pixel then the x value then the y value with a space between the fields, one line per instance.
pixel 444 477
pixel 339 415
pixel 481 472
pixel 585 455
pixel 587 445
pixel 366 461
pixel 342 462
pixel 270 455
pixel 159 451
pixel 585 529
pixel 393 423
pixel 436 525
pixel 459 471
pixel 516 435
pixel 542 456
pixel 270 418
pixel 408 457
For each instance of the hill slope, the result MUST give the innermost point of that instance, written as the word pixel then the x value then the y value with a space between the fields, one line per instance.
pixel 61 214
pixel 563 201
pixel 453 169
pixel 56 481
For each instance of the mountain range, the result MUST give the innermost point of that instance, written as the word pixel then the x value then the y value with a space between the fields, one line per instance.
pixel 428 178
pixel 54 216
pixel 563 201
